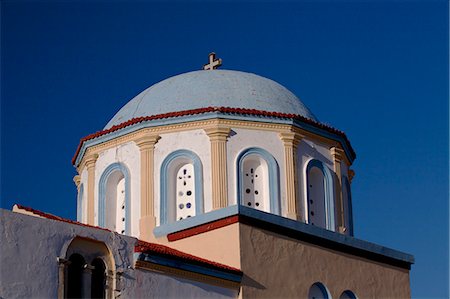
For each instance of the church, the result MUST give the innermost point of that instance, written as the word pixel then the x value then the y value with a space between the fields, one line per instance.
pixel 210 184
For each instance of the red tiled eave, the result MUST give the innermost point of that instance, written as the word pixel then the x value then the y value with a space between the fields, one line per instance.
pixel 150 248
pixel 228 110
pixel 141 246
pixel 54 217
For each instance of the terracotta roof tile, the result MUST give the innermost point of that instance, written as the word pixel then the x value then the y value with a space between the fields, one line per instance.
pixel 54 217
pixel 150 248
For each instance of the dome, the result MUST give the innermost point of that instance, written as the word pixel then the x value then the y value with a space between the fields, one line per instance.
pixel 214 88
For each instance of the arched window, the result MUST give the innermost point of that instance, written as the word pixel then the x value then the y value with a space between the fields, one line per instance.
pixel 114 199
pixel 320 199
pixel 80 203
pixel 98 279
pixel 75 283
pixel 348 295
pixel 348 211
pixel 258 180
pixel 318 291
pixel 181 186
pixel 78 278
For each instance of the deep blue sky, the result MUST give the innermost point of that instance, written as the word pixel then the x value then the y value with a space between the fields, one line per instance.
pixel 377 70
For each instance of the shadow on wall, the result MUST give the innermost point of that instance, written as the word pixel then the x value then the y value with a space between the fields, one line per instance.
pixel 315 154
pixel 250 282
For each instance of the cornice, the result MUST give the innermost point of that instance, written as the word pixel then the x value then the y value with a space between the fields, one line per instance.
pixel 209 117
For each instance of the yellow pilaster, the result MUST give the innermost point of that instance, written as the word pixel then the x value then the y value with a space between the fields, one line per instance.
pixel 218 137
pixel 291 141
pixel 338 155
pixel 90 166
pixel 147 221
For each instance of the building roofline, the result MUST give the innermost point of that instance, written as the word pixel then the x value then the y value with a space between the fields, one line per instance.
pixel 286 227
pixel 140 246
pixel 221 110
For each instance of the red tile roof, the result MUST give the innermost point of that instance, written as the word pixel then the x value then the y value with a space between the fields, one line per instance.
pixel 54 217
pixel 141 246
pixel 228 110
pixel 150 248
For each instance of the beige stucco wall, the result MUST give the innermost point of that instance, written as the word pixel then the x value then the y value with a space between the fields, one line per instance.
pixel 219 245
pixel 280 267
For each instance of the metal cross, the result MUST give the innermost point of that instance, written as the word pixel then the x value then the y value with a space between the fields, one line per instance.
pixel 213 62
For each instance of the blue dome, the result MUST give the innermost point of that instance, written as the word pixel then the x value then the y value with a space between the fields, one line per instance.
pixel 216 88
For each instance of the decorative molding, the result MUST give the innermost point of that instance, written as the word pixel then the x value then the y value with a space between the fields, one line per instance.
pixel 132 133
pixel 218 135
pixel 147 141
pixel 102 195
pixel 77 180
pixel 274 177
pixel 224 113
pixel 165 203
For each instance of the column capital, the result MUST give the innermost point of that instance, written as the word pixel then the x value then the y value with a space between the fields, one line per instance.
pixel 147 141
pixel 90 160
pixel 337 153
pixel 291 138
pixel 218 132
pixel 77 180
pixel 351 175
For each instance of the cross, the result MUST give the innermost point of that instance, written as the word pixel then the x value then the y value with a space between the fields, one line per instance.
pixel 213 62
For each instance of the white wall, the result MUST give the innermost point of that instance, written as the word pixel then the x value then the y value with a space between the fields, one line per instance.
pixel 129 155
pixel 29 269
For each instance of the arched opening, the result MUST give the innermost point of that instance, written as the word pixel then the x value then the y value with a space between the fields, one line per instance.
pixel 181 186
pixel 185 192
pixel 75 270
pixel 316 197
pixel 78 278
pixel 318 291
pixel 114 199
pixel 348 295
pixel 258 180
pixel 255 185
pixel 98 279
pixel 320 199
